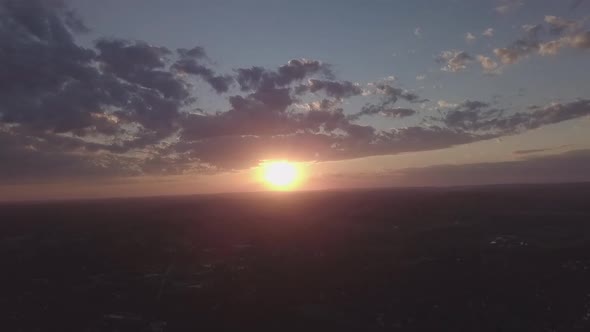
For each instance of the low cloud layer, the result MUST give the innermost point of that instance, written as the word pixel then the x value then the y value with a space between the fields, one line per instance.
pixel 567 167
pixel 570 166
pixel 480 117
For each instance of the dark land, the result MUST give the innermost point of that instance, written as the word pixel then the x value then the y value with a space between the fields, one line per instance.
pixel 497 258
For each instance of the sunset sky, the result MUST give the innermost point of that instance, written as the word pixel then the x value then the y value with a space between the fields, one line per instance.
pixel 157 97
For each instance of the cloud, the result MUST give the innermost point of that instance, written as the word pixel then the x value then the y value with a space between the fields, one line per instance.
pixel 334 89
pixel 488 65
pixel 506 6
pixel 117 107
pixel 558 25
pixel 521 47
pixel 418 32
pixel 476 116
pixel 446 104
pixel 532 151
pixel 454 60
pixel 550 48
pixel 579 41
pixel 385 111
pixel 28 159
pixel 570 166
pixel 188 64
pixel 470 38
pixel 569 35
pixel 390 94
pixel 489 32
pixel 196 52
pixel 420 77
pixel 295 70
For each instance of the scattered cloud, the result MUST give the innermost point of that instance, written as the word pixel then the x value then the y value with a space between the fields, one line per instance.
pixel 420 77
pixel 569 34
pixel 418 32
pixel 550 47
pixel 489 66
pixel 489 32
pixel 507 6
pixel 454 60
pixel 470 38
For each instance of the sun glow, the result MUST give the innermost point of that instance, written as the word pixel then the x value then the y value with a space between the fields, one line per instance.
pixel 280 175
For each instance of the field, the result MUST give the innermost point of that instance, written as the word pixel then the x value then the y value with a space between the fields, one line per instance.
pixel 497 258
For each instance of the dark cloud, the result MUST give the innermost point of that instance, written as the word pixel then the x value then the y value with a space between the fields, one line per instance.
pixel 189 64
pixel 254 78
pixel 469 114
pixel 390 95
pixel 31 159
pixel 196 52
pixel 38 53
pixel 530 151
pixel 239 152
pixel 385 111
pixel 479 117
pixel 334 89
pixel 51 84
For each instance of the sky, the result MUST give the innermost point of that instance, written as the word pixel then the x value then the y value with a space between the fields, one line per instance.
pixel 153 97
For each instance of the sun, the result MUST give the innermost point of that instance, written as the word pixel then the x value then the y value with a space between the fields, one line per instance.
pixel 280 175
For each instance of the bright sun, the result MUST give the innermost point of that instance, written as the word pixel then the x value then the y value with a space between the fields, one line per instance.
pixel 280 175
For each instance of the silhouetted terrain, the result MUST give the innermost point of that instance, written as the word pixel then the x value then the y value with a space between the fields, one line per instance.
pixel 503 258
